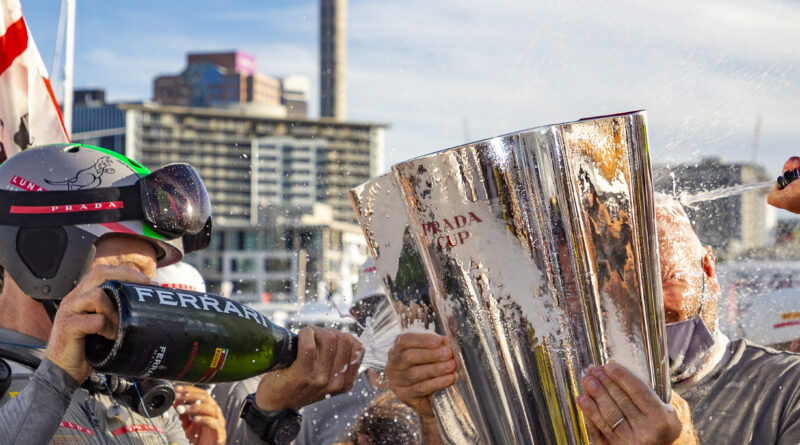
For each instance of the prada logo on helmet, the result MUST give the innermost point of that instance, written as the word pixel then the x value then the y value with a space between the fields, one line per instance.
pixel 68 208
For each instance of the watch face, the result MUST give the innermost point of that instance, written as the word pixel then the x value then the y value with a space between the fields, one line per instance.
pixel 286 431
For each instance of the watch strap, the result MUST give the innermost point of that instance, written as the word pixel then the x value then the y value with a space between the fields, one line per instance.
pixel 272 426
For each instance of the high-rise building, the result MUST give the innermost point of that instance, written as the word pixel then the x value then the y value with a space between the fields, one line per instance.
pixel 219 80
pixel 333 59
pixel 730 225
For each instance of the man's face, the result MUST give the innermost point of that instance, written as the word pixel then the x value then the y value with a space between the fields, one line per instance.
pixel 119 250
pixel 681 267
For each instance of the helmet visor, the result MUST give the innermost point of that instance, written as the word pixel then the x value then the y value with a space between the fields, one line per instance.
pixel 174 200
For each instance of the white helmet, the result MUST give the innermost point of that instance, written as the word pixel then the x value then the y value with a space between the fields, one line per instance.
pixel 773 318
pixel 369 283
pixel 180 276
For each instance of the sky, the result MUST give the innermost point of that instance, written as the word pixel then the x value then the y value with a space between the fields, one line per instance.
pixel 442 73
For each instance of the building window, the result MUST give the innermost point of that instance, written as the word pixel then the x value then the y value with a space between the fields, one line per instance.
pixel 277 265
pixel 212 264
pixel 217 242
pixel 244 287
pixel 246 241
pixel 243 265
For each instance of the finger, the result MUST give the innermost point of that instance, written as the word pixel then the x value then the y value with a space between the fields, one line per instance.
pixel 202 409
pixel 624 406
pixel 211 422
pixel 421 373
pixel 428 387
pixel 414 357
pixel 419 341
pixel 608 411
pixel 594 433
pixel 306 351
pixel 94 301
pixel 356 355
pixel 642 396
pixel 341 362
pixel 190 394
pixel 326 350
pixel 595 417
pixel 791 164
pixel 78 326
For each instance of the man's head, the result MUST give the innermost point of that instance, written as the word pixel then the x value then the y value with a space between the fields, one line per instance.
pixel 387 421
pixel 57 206
pixel 688 277
pixel 369 293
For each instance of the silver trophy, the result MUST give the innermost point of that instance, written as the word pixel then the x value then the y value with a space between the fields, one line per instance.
pixel 540 259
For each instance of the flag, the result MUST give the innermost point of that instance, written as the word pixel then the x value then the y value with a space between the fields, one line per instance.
pixel 29 112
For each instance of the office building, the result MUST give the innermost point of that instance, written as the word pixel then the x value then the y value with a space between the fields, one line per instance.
pixel 294 95
pixel 294 160
pixel 95 122
pixel 220 80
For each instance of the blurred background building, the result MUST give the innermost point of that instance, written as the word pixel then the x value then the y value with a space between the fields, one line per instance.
pixel 333 58
pixel 732 225
pixel 284 227
pixel 227 79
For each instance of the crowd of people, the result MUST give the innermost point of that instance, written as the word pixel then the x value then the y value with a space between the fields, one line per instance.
pixel 58 245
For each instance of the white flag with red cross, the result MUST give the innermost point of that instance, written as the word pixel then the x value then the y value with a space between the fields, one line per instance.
pixel 29 112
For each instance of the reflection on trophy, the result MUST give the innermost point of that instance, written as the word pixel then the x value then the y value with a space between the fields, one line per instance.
pixel 535 253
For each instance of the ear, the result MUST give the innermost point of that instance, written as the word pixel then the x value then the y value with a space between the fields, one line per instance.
pixel 710 269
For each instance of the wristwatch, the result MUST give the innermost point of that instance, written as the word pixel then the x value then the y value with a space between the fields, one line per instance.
pixel 278 427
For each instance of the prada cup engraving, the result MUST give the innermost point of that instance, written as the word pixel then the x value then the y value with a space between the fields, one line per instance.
pixel 540 257
pixel 450 232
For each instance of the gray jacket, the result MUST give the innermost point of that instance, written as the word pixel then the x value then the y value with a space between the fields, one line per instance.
pixel 47 405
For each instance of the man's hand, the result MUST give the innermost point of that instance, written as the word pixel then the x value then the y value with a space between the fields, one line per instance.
pixel 789 197
pixel 419 365
pixel 84 311
pixel 201 417
pixel 326 365
pixel 621 409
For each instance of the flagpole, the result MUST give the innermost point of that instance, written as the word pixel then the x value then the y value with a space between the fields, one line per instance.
pixel 69 56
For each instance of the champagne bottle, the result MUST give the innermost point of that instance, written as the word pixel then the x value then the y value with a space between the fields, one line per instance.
pixel 187 336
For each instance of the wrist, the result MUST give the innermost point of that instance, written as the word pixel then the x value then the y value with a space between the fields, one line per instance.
pixel 277 427
pixel 78 374
pixel 268 404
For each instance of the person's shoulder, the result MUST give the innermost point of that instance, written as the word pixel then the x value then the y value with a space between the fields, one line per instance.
pixel 764 355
